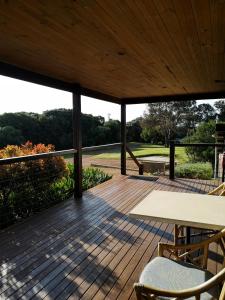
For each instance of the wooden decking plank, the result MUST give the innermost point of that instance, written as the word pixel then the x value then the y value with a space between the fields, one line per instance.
pixel 43 241
pixel 128 260
pixel 45 223
pixel 100 228
pixel 99 278
pixel 104 260
pixel 42 271
pixel 77 232
pixel 127 209
pixel 110 209
pixel 59 282
pixel 67 265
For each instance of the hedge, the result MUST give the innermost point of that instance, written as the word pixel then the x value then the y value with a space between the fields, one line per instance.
pixel 194 170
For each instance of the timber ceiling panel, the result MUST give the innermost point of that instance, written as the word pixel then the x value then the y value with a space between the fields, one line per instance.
pixel 123 48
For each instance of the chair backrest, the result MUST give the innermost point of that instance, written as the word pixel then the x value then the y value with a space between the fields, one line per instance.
pixel 144 292
pixel 220 190
pixel 222 294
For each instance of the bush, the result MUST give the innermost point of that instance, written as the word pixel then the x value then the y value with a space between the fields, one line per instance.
pixel 25 186
pixel 194 170
pixel 204 133
pixel 91 177
pixel 29 187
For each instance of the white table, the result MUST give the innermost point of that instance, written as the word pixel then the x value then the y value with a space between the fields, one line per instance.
pixel 187 209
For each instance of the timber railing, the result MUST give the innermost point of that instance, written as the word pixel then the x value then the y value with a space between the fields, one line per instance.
pixel 100 147
pixel 173 146
pixel 11 160
pixel 34 157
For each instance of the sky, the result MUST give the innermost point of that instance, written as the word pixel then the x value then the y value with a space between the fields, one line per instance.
pixel 17 95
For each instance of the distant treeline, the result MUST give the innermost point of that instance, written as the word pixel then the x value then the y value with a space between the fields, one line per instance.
pixel 55 127
pixel 160 123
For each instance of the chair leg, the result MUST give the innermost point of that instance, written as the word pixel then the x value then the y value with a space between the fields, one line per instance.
pixel 178 234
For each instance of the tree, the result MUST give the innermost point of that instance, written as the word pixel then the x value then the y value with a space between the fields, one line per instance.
pixel 220 107
pixel 56 128
pixel 205 112
pixel 27 123
pixel 168 116
pixel 134 130
pixel 9 135
pixel 113 131
pixel 204 133
pixel 92 130
pixel 152 135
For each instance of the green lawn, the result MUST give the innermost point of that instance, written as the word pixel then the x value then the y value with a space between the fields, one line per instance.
pixel 140 150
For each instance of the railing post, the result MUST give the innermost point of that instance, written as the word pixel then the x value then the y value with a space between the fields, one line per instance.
pixel 123 139
pixel 77 143
pixel 141 169
pixel 172 159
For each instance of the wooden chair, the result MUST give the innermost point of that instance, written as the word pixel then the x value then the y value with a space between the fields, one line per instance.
pixel 173 277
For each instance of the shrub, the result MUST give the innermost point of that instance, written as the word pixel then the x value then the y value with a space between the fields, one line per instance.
pixel 204 133
pixel 91 177
pixel 194 170
pixel 25 187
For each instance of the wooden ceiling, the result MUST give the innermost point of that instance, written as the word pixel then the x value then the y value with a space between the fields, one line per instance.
pixel 128 49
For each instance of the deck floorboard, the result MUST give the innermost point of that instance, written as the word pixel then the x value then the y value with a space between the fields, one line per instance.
pixel 88 248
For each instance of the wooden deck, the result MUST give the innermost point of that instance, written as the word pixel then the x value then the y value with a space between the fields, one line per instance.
pixel 88 249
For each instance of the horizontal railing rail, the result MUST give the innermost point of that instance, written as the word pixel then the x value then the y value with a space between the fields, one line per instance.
pixel 173 145
pixel 100 147
pixel 24 158
pixel 18 159
pixel 199 145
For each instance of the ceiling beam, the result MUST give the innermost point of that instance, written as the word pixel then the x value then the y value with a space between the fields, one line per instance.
pixel 29 76
pixel 33 77
pixel 99 95
pixel 169 98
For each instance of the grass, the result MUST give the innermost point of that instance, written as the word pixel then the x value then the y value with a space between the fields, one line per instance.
pixel 141 150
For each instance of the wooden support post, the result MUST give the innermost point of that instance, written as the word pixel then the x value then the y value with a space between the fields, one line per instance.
pixel 77 143
pixel 141 169
pixel 123 139
pixel 172 159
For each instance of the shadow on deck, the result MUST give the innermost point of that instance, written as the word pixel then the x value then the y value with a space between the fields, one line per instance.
pixel 88 248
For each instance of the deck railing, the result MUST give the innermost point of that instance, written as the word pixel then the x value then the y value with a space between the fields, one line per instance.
pixel 100 147
pixel 11 160
pixel 173 146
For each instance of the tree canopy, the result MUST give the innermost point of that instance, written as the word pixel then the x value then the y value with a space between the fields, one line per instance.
pixel 166 117
pixel 55 127
pixel 175 120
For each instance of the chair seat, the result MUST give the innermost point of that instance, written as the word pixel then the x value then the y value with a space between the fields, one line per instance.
pixel 167 274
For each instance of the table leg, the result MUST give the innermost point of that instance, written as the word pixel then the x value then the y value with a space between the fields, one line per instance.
pixel 188 235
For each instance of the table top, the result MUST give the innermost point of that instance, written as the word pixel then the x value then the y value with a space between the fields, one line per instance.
pixel 194 210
